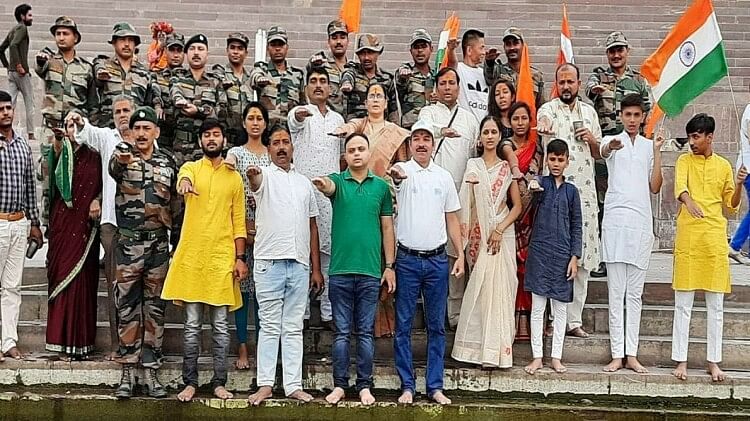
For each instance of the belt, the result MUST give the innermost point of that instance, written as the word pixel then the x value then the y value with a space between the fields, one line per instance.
pixel 143 235
pixel 422 253
pixel 12 217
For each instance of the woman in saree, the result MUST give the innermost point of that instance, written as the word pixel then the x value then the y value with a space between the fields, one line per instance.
pixel 73 254
pixel 486 326
pixel 529 155
pixel 387 146
pixel 252 152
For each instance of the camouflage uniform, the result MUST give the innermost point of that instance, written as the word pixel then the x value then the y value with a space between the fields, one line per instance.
pixel 145 208
pixel 356 76
pixel 337 100
pixel 607 104
pixel 67 86
pixel 112 80
pixel 163 78
pixel 238 94
pixel 494 70
pixel 414 92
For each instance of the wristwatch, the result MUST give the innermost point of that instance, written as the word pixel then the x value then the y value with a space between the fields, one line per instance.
pixel 389 265
pixel 238 257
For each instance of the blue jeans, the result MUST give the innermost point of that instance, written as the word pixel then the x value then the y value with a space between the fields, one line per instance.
pixel 743 231
pixel 240 317
pixel 354 300
pixel 427 276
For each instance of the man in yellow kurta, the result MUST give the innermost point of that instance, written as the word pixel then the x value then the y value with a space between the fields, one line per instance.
pixel 704 184
pixel 209 261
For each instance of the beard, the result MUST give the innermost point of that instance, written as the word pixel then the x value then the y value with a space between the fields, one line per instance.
pixel 569 99
pixel 211 153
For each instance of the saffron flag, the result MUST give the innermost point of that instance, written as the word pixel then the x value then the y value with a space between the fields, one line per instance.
pixel 450 31
pixel 350 13
pixel 565 55
pixel 525 93
pixel 690 60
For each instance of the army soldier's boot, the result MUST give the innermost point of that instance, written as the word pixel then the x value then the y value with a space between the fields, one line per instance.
pixel 154 387
pixel 125 389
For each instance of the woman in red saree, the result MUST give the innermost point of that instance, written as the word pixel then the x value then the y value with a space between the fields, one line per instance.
pixel 73 255
pixel 529 155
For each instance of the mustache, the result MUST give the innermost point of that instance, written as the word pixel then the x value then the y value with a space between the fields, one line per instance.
pixel 140 139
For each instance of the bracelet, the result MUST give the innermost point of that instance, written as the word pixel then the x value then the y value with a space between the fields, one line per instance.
pixel 239 258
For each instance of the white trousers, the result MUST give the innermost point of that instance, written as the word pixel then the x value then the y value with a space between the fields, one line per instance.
pixel 326 312
pixel 625 285
pixel 580 290
pixel 13 240
pixel 683 307
pixel 538 305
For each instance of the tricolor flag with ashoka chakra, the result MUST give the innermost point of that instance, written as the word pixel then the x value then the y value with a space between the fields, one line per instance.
pixel 565 55
pixel 690 60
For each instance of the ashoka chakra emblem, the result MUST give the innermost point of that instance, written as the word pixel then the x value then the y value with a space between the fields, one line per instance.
pixel 687 53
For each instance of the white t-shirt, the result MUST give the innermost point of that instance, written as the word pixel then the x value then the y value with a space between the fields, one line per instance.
pixel 474 91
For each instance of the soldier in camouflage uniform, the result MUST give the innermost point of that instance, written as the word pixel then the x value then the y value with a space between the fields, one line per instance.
pixel 234 80
pixel 175 48
pixel 68 85
pixel 335 63
pixel 123 74
pixel 357 79
pixel 146 181
pixel 414 81
pixel 197 95
pixel 495 69
pixel 606 88
pixel 280 87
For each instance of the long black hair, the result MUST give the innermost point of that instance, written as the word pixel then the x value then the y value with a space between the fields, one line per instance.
pixel 264 112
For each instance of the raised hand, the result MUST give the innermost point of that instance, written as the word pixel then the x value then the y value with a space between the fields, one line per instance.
pixel 186 186
pixel 396 173
pixel 253 171
pixel 302 113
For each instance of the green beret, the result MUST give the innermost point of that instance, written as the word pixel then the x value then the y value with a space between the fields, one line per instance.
pixel 143 114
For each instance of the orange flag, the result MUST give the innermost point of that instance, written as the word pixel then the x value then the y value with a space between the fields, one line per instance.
pixel 450 31
pixel 525 92
pixel 656 115
pixel 565 55
pixel 350 13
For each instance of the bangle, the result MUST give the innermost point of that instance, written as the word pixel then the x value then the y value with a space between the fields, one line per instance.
pixel 238 257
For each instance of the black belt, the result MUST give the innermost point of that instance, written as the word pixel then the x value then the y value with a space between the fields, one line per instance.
pixel 422 253
pixel 143 235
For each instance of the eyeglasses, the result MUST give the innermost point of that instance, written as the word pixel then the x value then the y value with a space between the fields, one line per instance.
pixel 376 96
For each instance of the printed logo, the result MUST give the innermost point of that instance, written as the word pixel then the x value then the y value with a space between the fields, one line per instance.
pixel 687 53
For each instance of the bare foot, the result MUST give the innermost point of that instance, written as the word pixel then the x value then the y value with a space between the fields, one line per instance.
pixel 716 373
pixel 63 357
pixel 533 366
pixel 440 398
pixel 222 393
pixel 406 397
pixel 680 371
pixel 14 353
pixel 263 393
pixel 578 333
pixel 242 361
pixel 613 366
pixel 110 356
pixel 366 397
pixel 301 396
pixel 334 397
pixel 558 366
pixel 632 363
pixel 187 394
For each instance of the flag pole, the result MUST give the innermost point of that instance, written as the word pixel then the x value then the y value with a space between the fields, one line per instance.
pixel 737 115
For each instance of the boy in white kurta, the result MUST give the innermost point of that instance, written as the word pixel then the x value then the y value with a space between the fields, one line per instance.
pixel 634 164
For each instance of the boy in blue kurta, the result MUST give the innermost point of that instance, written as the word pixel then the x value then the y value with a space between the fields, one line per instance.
pixel 554 251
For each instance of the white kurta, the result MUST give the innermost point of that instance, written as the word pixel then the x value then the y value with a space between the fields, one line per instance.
pixel 580 172
pixel 627 228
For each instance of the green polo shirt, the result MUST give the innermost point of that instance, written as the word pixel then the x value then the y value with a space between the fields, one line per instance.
pixel 356 238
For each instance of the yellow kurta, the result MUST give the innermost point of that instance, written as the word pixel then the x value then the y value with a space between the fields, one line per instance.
pixel 201 270
pixel 700 247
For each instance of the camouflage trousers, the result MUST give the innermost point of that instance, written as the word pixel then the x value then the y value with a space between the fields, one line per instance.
pixel 45 145
pixel 141 270
pixel 186 147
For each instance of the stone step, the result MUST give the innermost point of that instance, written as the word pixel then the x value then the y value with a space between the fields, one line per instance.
pixel 661 293
pixel 654 350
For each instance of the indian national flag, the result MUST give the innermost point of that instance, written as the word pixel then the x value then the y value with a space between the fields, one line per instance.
pixel 565 55
pixel 690 60
pixel 450 31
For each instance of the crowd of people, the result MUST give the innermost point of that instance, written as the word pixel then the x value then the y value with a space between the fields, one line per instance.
pixel 224 190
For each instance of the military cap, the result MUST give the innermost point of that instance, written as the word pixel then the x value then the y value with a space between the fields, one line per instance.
pixel 66 22
pixel 513 32
pixel 145 113
pixel 336 26
pixel 617 39
pixel 368 42
pixel 421 125
pixel 238 37
pixel 277 33
pixel 122 30
pixel 420 35
pixel 175 39
pixel 196 39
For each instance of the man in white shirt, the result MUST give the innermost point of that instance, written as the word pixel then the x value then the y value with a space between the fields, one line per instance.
pixel 316 154
pixel 474 90
pixel 456 131
pixel 428 206
pixel 286 251
pixel 743 158
pixel 576 122
pixel 104 140
pixel 634 164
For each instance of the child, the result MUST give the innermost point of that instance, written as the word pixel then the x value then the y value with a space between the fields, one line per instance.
pixel 553 254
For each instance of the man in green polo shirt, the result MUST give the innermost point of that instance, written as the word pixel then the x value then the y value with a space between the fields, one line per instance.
pixel 361 233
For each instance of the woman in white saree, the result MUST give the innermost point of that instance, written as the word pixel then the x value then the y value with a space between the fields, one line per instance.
pixel 486 326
